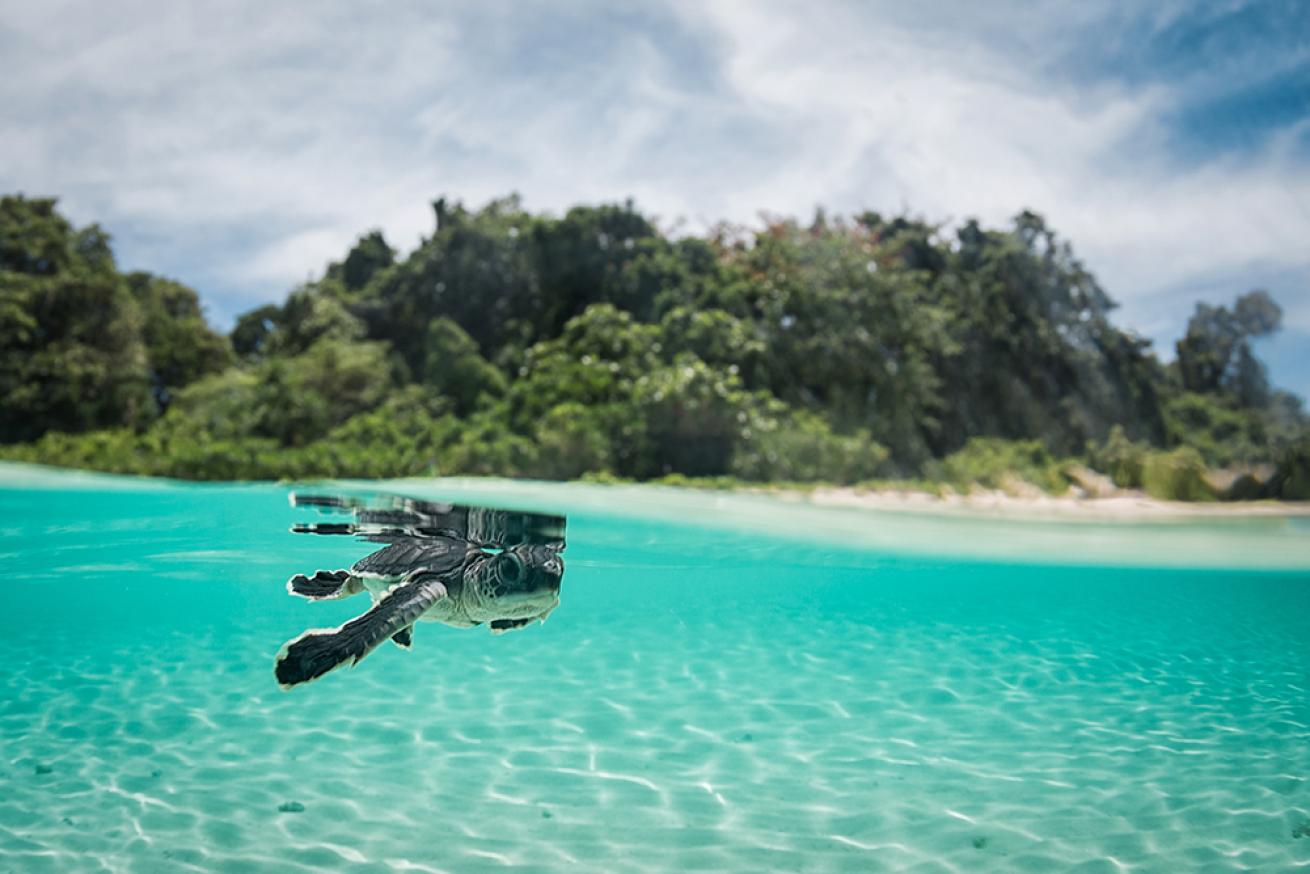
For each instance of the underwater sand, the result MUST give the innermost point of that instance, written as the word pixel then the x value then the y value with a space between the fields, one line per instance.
pixel 705 698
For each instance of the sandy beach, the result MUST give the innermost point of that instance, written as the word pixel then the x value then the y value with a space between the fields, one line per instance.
pixel 1122 505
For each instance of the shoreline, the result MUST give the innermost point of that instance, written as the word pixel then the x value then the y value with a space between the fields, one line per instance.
pixel 1122 505
pixel 1117 530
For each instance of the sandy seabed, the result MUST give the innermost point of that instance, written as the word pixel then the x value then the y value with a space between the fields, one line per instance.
pixel 886 740
pixel 701 701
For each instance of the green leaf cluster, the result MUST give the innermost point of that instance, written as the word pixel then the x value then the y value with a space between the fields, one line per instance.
pixel 593 344
pixel 83 346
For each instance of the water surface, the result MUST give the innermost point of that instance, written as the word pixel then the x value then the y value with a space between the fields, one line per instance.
pixel 798 691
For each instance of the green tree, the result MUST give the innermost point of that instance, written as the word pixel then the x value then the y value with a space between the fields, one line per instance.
pixel 250 335
pixel 180 344
pixel 454 368
pixel 309 316
pixel 1033 353
pixel 71 350
pixel 1215 356
pixel 571 440
pixel 528 344
pixel 718 338
pixel 370 256
pixel 477 270
pixel 845 339
pixel 301 398
pixel 693 416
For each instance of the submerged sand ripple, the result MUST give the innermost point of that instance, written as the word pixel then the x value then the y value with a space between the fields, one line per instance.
pixel 713 704
pixel 840 745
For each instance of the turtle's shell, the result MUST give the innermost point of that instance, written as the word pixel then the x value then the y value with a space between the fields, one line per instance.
pixel 439 555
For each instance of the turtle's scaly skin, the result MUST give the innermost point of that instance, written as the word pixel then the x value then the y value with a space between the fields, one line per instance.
pixel 520 583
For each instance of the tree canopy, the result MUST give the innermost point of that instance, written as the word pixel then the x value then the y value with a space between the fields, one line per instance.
pixel 525 344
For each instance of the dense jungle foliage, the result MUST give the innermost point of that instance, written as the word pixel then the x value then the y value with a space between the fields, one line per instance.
pixel 515 344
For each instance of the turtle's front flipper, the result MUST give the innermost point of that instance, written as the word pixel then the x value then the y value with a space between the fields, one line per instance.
pixel 314 653
pixel 324 585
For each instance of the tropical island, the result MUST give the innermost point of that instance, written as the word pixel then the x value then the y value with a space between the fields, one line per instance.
pixel 844 350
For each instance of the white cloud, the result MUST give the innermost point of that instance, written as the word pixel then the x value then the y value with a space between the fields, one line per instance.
pixel 954 129
pixel 246 145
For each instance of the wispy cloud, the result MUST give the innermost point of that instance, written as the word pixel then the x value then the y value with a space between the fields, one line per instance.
pixel 239 146
pixel 954 127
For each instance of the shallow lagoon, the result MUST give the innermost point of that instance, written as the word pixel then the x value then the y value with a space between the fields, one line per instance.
pixel 730 683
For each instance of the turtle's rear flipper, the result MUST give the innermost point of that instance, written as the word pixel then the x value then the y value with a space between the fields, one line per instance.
pixel 404 638
pixel 323 585
pixel 314 653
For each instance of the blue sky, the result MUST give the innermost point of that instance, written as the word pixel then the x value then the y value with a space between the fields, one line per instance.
pixel 239 146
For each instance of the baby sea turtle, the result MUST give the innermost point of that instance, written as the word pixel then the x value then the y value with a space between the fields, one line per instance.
pixel 426 572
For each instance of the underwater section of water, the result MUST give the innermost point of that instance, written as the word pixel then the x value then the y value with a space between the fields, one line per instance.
pixel 705 697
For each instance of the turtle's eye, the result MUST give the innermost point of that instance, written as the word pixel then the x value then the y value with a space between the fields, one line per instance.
pixel 510 567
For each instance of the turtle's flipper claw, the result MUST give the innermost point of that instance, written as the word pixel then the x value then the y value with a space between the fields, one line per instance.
pixel 323 528
pixel 323 585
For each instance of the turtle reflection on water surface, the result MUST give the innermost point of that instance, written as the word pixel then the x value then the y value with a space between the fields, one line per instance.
pixel 462 566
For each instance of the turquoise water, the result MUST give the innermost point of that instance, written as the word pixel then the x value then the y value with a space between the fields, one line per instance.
pixel 804 690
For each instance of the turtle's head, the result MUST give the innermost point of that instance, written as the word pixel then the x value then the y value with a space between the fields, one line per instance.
pixel 520 582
